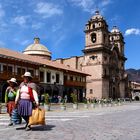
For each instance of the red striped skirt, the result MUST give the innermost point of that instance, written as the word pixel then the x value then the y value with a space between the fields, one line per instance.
pixel 10 106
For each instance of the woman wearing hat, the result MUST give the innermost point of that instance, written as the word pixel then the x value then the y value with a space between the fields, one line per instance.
pixel 27 94
pixel 10 96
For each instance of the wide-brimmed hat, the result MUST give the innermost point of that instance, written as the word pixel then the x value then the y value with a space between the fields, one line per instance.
pixel 27 74
pixel 13 80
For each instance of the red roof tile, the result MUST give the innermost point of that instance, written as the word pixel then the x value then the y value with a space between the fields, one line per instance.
pixel 36 60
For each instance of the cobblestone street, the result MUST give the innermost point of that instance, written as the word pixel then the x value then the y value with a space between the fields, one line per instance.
pixel 107 123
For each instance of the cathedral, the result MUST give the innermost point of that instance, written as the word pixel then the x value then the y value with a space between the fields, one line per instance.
pixel 99 73
pixel 103 59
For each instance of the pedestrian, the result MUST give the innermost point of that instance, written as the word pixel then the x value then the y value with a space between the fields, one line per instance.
pixel 10 95
pixel 27 98
pixel 65 98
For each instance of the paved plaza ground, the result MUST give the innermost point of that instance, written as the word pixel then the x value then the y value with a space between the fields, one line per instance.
pixel 107 123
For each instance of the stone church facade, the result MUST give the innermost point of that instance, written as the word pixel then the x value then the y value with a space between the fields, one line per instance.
pixel 103 59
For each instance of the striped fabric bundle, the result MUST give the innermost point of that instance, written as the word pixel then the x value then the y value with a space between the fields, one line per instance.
pixel 15 117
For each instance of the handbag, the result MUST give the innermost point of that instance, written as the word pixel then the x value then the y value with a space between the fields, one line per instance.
pixel 38 117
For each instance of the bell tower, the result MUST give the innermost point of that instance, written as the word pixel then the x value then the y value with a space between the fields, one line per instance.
pixel 96 56
pixel 96 32
pixel 117 43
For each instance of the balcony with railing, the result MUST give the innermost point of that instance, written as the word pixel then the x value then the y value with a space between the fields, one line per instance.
pixel 4 75
pixel 74 83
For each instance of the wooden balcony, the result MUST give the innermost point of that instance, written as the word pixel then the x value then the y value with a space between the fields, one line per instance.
pixel 74 83
pixel 7 75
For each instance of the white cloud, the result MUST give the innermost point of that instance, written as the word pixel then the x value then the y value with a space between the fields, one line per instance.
pixel 86 5
pixel 48 9
pixel 20 20
pixel 132 31
pixel 91 5
pixel 37 26
pixel 105 2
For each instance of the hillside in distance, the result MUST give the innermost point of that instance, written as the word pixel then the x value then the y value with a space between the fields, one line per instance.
pixel 133 75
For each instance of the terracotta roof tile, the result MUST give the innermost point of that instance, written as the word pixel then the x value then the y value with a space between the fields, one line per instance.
pixel 37 60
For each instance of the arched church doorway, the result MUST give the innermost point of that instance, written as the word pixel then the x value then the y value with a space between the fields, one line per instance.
pixel 137 98
pixel 114 93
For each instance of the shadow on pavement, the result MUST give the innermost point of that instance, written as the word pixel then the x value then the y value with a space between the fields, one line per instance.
pixel 43 128
pixel 38 128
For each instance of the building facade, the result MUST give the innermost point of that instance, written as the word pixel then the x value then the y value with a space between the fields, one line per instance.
pixel 135 90
pixel 51 77
pixel 103 59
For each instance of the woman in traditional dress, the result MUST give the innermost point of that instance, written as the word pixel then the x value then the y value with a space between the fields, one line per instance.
pixel 27 98
pixel 10 96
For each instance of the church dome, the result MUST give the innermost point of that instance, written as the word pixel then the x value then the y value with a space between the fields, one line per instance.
pixel 38 49
pixel 97 15
pixel 115 30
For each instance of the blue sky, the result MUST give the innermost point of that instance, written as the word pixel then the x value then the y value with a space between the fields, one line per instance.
pixel 60 24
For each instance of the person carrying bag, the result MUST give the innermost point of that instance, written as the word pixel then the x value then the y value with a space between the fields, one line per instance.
pixel 27 99
pixel 38 117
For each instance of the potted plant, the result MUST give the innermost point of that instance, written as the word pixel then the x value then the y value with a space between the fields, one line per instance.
pixel 47 102
pixel 100 103
pixel 116 102
pixel 85 103
pixel 74 100
pixel 109 102
pixel 63 104
pixel 93 103
pixel 105 102
pixel 119 102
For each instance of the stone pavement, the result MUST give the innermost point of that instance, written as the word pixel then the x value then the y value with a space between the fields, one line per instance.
pixel 108 123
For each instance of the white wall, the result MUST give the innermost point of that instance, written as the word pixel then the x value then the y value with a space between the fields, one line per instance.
pixel 53 74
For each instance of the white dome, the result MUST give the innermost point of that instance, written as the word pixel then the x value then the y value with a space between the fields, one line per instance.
pixel 97 15
pixel 37 49
pixel 115 30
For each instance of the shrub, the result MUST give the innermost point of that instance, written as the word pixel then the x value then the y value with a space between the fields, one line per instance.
pixel 74 98
pixel 47 98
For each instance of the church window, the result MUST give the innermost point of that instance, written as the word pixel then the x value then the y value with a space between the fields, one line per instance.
pixel 65 77
pixel 41 76
pixel 4 68
pixel 93 26
pixel 91 91
pixel 10 69
pixel 111 38
pixel 48 77
pixel 105 58
pixel 93 37
pixel 71 78
pixel 80 79
pixel 57 78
